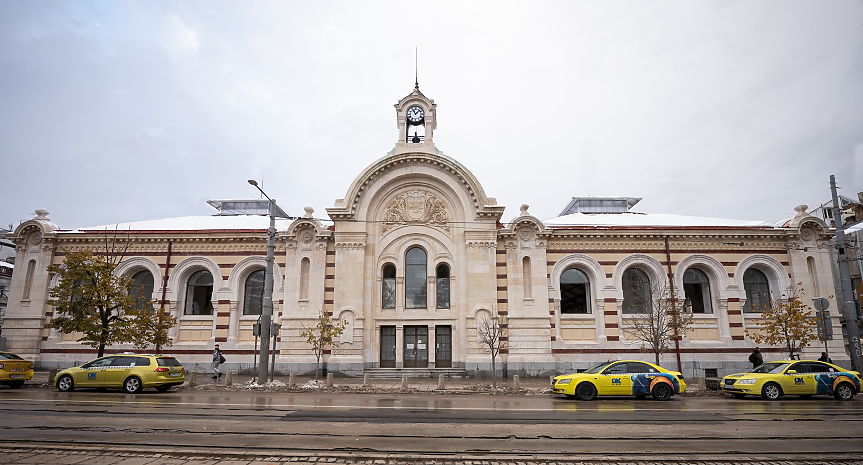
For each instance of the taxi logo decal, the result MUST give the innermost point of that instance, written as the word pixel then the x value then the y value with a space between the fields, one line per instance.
pixel 798 382
pixel 615 381
pixel 91 375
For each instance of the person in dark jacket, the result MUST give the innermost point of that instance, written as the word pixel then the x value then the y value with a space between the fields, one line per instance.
pixel 217 360
pixel 755 358
pixel 825 358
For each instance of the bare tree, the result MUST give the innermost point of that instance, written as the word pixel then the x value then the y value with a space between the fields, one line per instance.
pixel 493 336
pixel 660 318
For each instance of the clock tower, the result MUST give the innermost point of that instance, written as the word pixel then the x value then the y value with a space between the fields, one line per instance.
pixel 417 119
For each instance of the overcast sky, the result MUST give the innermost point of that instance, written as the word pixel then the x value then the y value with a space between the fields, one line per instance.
pixel 123 111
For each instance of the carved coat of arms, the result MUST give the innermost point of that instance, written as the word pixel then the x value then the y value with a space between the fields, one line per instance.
pixel 416 206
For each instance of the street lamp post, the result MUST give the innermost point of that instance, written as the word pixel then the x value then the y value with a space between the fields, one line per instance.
pixel 267 308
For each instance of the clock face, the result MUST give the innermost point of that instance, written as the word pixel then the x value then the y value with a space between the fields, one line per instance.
pixel 415 114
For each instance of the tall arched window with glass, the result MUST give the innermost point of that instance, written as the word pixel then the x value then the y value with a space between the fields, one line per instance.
pixel 415 278
pixel 142 290
pixel 574 292
pixel 696 290
pixel 442 285
pixel 199 294
pixel 757 290
pixel 388 287
pixel 253 293
pixel 636 291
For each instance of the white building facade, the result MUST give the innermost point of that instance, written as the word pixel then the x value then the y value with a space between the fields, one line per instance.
pixel 415 255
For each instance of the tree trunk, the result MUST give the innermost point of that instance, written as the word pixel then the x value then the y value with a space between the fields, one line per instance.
pixel 317 367
pixel 656 355
pixel 493 373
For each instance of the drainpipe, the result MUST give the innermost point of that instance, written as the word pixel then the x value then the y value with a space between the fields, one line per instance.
pixel 673 304
pixel 164 291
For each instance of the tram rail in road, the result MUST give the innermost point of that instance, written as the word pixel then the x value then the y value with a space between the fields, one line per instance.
pixel 444 426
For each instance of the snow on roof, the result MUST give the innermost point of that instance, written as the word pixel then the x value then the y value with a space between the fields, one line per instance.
pixel 194 223
pixel 633 219
pixel 6 264
pixel 854 228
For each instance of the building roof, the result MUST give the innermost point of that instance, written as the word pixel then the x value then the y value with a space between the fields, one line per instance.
pixel 651 220
pixel 194 223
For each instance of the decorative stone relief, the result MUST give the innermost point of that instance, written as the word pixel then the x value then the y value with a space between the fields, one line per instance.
pixel 349 245
pixel 807 234
pixel 482 244
pixel 525 234
pixel 511 245
pixel 416 207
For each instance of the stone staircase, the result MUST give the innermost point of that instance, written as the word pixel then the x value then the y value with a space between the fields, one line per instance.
pixel 396 373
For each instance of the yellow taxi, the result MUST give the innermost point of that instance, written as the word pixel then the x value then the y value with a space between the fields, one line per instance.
pixel 14 370
pixel 621 378
pixel 803 378
pixel 130 372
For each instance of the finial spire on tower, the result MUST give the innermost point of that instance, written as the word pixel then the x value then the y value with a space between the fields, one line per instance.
pixel 416 69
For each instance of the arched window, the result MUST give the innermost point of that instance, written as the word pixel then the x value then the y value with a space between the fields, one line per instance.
pixel 304 278
pixel 636 291
pixel 525 272
pixel 415 278
pixel 199 294
pixel 442 285
pixel 28 279
pixel 142 290
pixel 696 289
pixel 253 294
pixel 574 292
pixel 388 287
pixel 757 291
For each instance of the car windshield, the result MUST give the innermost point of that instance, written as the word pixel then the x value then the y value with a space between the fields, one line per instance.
pixel 596 369
pixel 772 368
pixel 8 356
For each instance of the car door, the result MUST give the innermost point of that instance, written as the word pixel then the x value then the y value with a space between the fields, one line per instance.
pixel 93 374
pixel 615 381
pixel 640 376
pixel 119 369
pixel 798 379
pixel 823 375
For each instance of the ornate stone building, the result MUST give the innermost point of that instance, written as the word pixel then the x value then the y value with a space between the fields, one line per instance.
pixel 415 255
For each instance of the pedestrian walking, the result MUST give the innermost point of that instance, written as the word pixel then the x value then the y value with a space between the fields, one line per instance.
pixel 218 359
pixel 755 358
pixel 825 358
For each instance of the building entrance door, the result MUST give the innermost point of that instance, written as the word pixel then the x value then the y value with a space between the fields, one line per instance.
pixel 388 346
pixel 443 347
pixel 416 347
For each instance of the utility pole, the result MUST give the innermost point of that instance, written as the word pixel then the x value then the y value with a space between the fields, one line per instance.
pixel 849 309
pixel 267 310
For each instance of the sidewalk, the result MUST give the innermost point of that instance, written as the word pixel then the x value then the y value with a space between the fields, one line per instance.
pixel 527 386
pixel 241 381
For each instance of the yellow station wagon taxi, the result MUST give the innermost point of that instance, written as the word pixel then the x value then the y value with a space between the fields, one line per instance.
pixel 804 378
pixel 14 370
pixel 130 372
pixel 621 378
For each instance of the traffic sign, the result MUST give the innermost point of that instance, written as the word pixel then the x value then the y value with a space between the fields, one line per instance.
pixel 821 304
pixel 825 325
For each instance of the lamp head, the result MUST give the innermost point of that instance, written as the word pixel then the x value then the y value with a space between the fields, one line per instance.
pixel 253 182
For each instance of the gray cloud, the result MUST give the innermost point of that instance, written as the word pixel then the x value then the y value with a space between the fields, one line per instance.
pixel 117 112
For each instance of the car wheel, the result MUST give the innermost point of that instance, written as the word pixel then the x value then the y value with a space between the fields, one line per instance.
pixel 844 391
pixel 662 391
pixel 738 395
pixel 66 383
pixel 771 391
pixel 132 385
pixel 164 388
pixel 585 391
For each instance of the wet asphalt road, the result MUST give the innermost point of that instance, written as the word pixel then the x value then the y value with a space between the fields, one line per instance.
pixel 443 424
